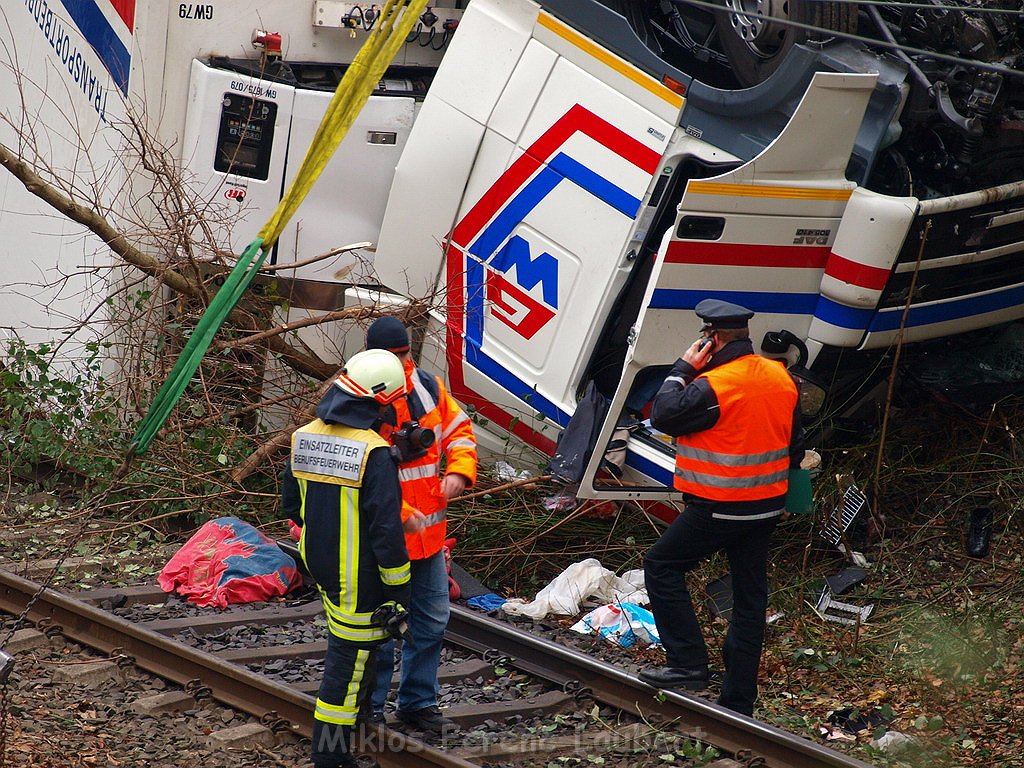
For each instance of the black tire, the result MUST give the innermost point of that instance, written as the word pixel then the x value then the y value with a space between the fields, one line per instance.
pixel 756 48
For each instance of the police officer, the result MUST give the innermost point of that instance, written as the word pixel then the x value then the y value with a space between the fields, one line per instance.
pixel 735 418
pixel 342 487
pixel 427 424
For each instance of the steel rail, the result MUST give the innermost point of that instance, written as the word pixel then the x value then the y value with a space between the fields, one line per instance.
pixel 699 718
pixel 229 683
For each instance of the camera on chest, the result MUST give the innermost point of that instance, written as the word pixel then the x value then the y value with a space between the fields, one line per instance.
pixel 411 441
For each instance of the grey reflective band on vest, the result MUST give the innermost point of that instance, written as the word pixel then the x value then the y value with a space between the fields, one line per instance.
pixel 730 459
pixel 762 516
pixel 676 379
pixel 417 473
pixel 435 517
pixel 717 481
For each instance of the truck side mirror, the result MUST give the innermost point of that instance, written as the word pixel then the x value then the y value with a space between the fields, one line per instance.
pixel 812 392
pixel 779 342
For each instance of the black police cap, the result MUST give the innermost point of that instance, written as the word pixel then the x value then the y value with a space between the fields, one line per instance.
pixel 721 314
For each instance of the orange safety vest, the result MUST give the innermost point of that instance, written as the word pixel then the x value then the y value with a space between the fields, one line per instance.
pixel 745 455
pixel 429 403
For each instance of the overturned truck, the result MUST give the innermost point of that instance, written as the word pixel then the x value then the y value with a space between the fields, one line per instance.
pixel 572 177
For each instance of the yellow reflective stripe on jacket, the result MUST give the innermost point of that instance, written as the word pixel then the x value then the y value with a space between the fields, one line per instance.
pixel 348 625
pixel 346 712
pixel 395 576
pixel 348 548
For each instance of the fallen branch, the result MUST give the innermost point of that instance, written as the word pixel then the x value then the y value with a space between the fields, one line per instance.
pixel 526 481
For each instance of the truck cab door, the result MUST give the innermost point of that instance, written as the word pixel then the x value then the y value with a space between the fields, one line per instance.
pixel 758 236
pixel 538 250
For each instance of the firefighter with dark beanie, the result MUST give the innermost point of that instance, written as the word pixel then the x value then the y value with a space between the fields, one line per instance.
pixel 342 487
pixel 434 439
pixel 736 421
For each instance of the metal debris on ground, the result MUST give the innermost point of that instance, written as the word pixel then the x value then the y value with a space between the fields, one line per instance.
pixel 842 613
pixel 854 505
pixel 846 579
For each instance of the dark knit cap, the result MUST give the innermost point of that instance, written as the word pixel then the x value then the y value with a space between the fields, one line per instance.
pixel 388 333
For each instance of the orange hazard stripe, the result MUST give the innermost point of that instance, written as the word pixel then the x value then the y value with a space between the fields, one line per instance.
pixel 758 190
pixel 628 71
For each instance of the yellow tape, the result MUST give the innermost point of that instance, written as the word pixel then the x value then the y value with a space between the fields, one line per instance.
pixel 359 81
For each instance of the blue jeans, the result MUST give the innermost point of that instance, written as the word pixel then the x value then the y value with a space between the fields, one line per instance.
pixel 421 654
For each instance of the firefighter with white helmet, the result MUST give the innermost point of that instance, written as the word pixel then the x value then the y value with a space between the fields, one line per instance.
pixel 342 487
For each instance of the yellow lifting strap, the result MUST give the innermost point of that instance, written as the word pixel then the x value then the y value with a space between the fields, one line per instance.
pixel 363 75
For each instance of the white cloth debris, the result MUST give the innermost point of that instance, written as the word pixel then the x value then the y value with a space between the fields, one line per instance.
pixel 893 741
pixel 624 624
pixel 575 584
pixel 507 473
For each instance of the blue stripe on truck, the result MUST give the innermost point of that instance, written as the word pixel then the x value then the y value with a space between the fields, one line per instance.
pixel 104 40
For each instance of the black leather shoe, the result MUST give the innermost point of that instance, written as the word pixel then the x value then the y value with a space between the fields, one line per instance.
pixel 690 678
pixel 427 719
pixel 979 532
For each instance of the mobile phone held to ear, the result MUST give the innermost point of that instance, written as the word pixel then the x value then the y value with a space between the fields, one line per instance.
pixel 704 344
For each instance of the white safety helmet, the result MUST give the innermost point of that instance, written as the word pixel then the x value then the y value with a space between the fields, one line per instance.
pixel 374 373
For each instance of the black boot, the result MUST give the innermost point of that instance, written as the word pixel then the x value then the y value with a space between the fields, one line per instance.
pixel 979 531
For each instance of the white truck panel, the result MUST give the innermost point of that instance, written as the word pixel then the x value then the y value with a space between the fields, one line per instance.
pixel 867 243
pixel 569 85
pixel 816 142
pixel 519 96
pixel 638 86
pixel 495 32
pixel 561 261
pixel 70 101
pixel 409 255
pixel 348 202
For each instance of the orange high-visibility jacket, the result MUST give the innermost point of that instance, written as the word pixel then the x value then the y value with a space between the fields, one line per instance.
pixel 745 455
pixel 429 403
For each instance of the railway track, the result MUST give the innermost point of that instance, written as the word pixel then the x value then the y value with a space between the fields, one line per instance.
pixel 253 677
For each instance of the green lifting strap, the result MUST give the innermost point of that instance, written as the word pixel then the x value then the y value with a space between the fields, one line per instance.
pixel 360 79
pixel 220 307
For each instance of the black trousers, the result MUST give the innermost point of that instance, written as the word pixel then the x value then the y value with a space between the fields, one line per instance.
pixel 344 698
pixel 692 537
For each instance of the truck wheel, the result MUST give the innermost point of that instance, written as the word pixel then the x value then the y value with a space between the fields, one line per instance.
pixel 757 44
